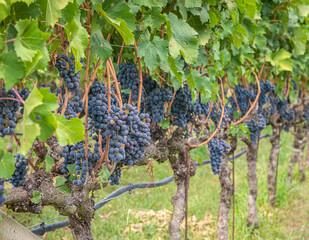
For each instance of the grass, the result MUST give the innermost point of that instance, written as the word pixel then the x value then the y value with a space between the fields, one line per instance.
pixel 145 214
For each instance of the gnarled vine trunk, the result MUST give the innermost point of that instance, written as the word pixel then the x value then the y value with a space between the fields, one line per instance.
pixel 297 156
pixel 225 199
pixel 179 167
pixel 273 165
pixel 252 153
pixel 81 228
pixel 227 191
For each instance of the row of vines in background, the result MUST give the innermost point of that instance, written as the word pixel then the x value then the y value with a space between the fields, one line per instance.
pixel 97 87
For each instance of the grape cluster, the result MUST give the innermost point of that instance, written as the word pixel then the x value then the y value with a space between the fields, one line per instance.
pixel 128 77
pixel 8 109
pixel 75 154
pixel 243 96
pixel 24 93
pixel 66 67
pixel 74 106
pixel 255 126
pixel 286 113
pixel 215 116
pixel 199 108
pixel 182 106
pixel 116 175
pixel 216 148
pixel 155 103
pixel 20 171
pixel 265 87
pixel 2 195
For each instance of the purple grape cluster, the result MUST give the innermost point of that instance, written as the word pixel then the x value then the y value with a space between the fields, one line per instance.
pixel 285 112
pixel 20 171
pixel 75 154
pixel 216 148
pixel 66 67
pixel 243 96
pixel 255 126
pixel 8 109
pixel 2 195
pixel 182 106
pixel 74 107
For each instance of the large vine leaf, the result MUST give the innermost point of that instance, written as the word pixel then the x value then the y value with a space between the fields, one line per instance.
pixel 100 46
pixel 282 60
pixel 5 6
pixel 182 39
pixel 30 129
pixel 43 116
pixel 154 52
pixel 52 9
pixel 29 39
pixel 78 37
pixel 300 39
pixel 11 69
pixel 69 131
pixel 7 161
pixel 153 19
pixel 119 24
pixel 119 9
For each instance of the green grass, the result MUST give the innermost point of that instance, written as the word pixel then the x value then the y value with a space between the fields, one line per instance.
pixel 140 215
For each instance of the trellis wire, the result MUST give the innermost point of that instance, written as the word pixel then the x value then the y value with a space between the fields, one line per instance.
pixel 118 193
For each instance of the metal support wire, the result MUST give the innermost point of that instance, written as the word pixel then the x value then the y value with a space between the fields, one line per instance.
pixel 120 192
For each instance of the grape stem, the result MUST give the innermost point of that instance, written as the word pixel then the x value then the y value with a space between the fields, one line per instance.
pixel 17 94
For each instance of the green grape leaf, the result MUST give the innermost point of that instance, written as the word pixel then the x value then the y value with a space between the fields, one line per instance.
pixel 182 39
pixel 70 11
pixel 153 19
pixel 281 59
pixel 36 197
pixel 11 69
pixel 46 120
pixel 178 74
pixel 119 9
pixel 52 9
pixel 30 65
pixel 30 129
pixel 193 3
pixel 61 181
pixel 119 24
pixel 213 19
pixel 78 37
pixel 26 1
pixel 104 174
pixel 5 6
pixel 100 46
pixel 250 8
pixel 29 39
pixel 22 11
pixel 165 124
pixel 11 34
pixel 69 131
pixel 300 39
pixel 49 163
pixel 7 165
pixel 154 52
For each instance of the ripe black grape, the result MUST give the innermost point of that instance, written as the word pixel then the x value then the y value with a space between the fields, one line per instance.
pixel 217 147
pixel 20 171
pixel 255 126
pixel 8 109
